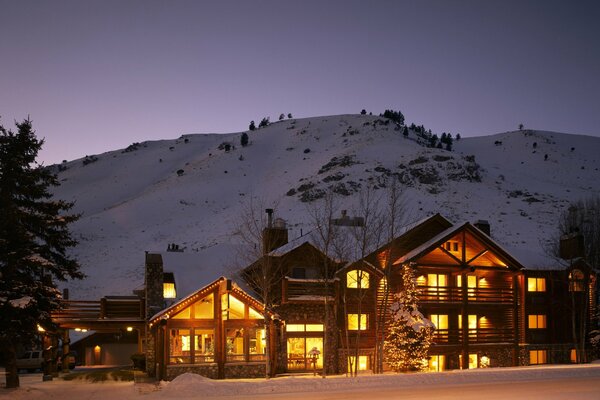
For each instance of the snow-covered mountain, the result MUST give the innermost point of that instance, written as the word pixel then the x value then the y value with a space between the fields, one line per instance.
pixel 191 191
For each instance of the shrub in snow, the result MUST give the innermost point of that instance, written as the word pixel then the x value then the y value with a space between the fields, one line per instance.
pixel 289 115
pixel 244 139
pixel 264 122
pixel 409 332
pixel 252 126
pixel 281 116
pixel 180 172
pixel 363 112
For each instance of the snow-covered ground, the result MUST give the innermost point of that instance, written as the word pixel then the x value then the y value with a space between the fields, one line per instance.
pixel 537 382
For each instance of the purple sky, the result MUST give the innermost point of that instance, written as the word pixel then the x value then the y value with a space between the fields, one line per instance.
pixel 98 75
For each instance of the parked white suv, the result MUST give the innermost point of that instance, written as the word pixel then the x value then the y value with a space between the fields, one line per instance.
pixel 30 360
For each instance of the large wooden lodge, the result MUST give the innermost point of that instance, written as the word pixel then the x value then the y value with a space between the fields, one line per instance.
pixel 489 309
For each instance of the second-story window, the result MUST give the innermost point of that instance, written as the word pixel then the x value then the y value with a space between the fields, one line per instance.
pixel 536 284
pixel 451 246
pixel 536 321
pixel 358 322
pixel 437 280
pixel 439 320
pixel 357 279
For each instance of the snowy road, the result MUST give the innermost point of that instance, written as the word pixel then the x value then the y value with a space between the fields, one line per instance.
pixel 573 382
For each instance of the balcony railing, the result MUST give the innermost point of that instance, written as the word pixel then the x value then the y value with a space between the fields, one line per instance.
pixel 475 336
pixel 306 289
pixel 110 307
pixel 475 295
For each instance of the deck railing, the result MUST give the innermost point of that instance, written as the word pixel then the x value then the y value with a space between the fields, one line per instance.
pixel 474 295
pixel 480 335
pixel 110 307
pixel 306 289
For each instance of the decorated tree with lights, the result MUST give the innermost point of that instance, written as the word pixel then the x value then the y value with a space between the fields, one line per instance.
pixel 409 332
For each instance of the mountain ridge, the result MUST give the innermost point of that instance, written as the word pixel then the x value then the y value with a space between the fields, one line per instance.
pixel 191 190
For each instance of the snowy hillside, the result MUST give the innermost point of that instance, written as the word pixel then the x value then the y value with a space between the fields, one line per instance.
pixel 190 191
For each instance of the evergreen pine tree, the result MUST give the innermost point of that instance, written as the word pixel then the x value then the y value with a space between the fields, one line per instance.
pixel 289 115
pixel 409 333
pixel 264 122
pixel 281 116
pixel 405 131
pixel 34 239
pixel 244 139
pixel 252 126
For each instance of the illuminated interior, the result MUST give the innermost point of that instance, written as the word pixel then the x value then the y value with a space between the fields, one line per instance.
pixel 536 321
pixel 235 344
pixel 536 284
pixel 439 320
pixel 576 281
pixel 357 279
pixel 357 322
pixel 363 363
pixel 201 309
pixel 169 291
pixel 437 280
pixel 537 357
pixel 437 363
pixel 297 352
pixel 232 307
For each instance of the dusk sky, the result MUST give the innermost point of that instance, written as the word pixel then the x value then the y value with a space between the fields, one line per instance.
pixel 96 76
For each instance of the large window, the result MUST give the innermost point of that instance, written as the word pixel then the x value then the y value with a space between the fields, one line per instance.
pixel 537 357
pixel 536 284
pixel 357 279
pixel 235 344
pixel 358 322
pixel 363 363
pixel 257 343
pixel 233 308
pixel 437 280
pixel 202 309
pixel 536 321
pixel 191 346
pixel 439 320
pixel 298 349
pixel 437 363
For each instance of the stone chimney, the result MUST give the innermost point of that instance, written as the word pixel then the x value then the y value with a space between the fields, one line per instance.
pixel 153 284
pixel 571 246
pixel 483 226
pixel 275 234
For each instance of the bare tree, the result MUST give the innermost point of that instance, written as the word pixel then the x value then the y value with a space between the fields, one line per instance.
pixel 259 269
pixel 578 237
pixel 326 238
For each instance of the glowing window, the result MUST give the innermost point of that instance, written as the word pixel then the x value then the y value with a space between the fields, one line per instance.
pixel 205 308
pixel 304 327
pixel 204 345
pixel 355 323
pixel 184 314
pixel 473 361
pixel 253 314
pixel 363 363
pixel 235 344
pixel 436 363
pixel 169 290
pixel 257 344
pixel 232 307
pixel 437 280
pixel 472 322
pixel 179 346
pixel 536 284
pixel 576 281
pixel 357 279
pixel 439 320
pixel 536 321
pixel 537 357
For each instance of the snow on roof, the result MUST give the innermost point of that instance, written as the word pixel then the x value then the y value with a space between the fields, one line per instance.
pixel 194 270
pixel 536 258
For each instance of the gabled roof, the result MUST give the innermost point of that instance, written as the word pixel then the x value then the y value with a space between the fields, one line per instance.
pixel 443 236
pixel 200 293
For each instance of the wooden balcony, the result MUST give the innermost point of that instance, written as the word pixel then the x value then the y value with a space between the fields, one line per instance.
pixel 434 294
pixel 101 313
pixel 307 290
pixel 475 336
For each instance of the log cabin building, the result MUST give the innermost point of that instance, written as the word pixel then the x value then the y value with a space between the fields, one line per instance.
pixel 324 313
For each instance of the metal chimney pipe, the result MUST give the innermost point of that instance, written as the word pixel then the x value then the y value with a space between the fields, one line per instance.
pixel 269 212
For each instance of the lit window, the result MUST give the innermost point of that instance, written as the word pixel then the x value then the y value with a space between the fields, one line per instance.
pixel 437 363
pixel 537 357
pixel 205 308
pixel 536 321
pixel 472 322
pixel 169 291
pixel 179 346
pixel 357 279
pixel 573 355
pixel 355 323
pixel 303 328
pixel 473 361
pixel 204 345
pixel 232 307
pixel 437 280
pixel 257 344
pixel 439 320
pixel 536 284
pixel 253 314
pixel 235 344
pixel 576 281
pixel 363 363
